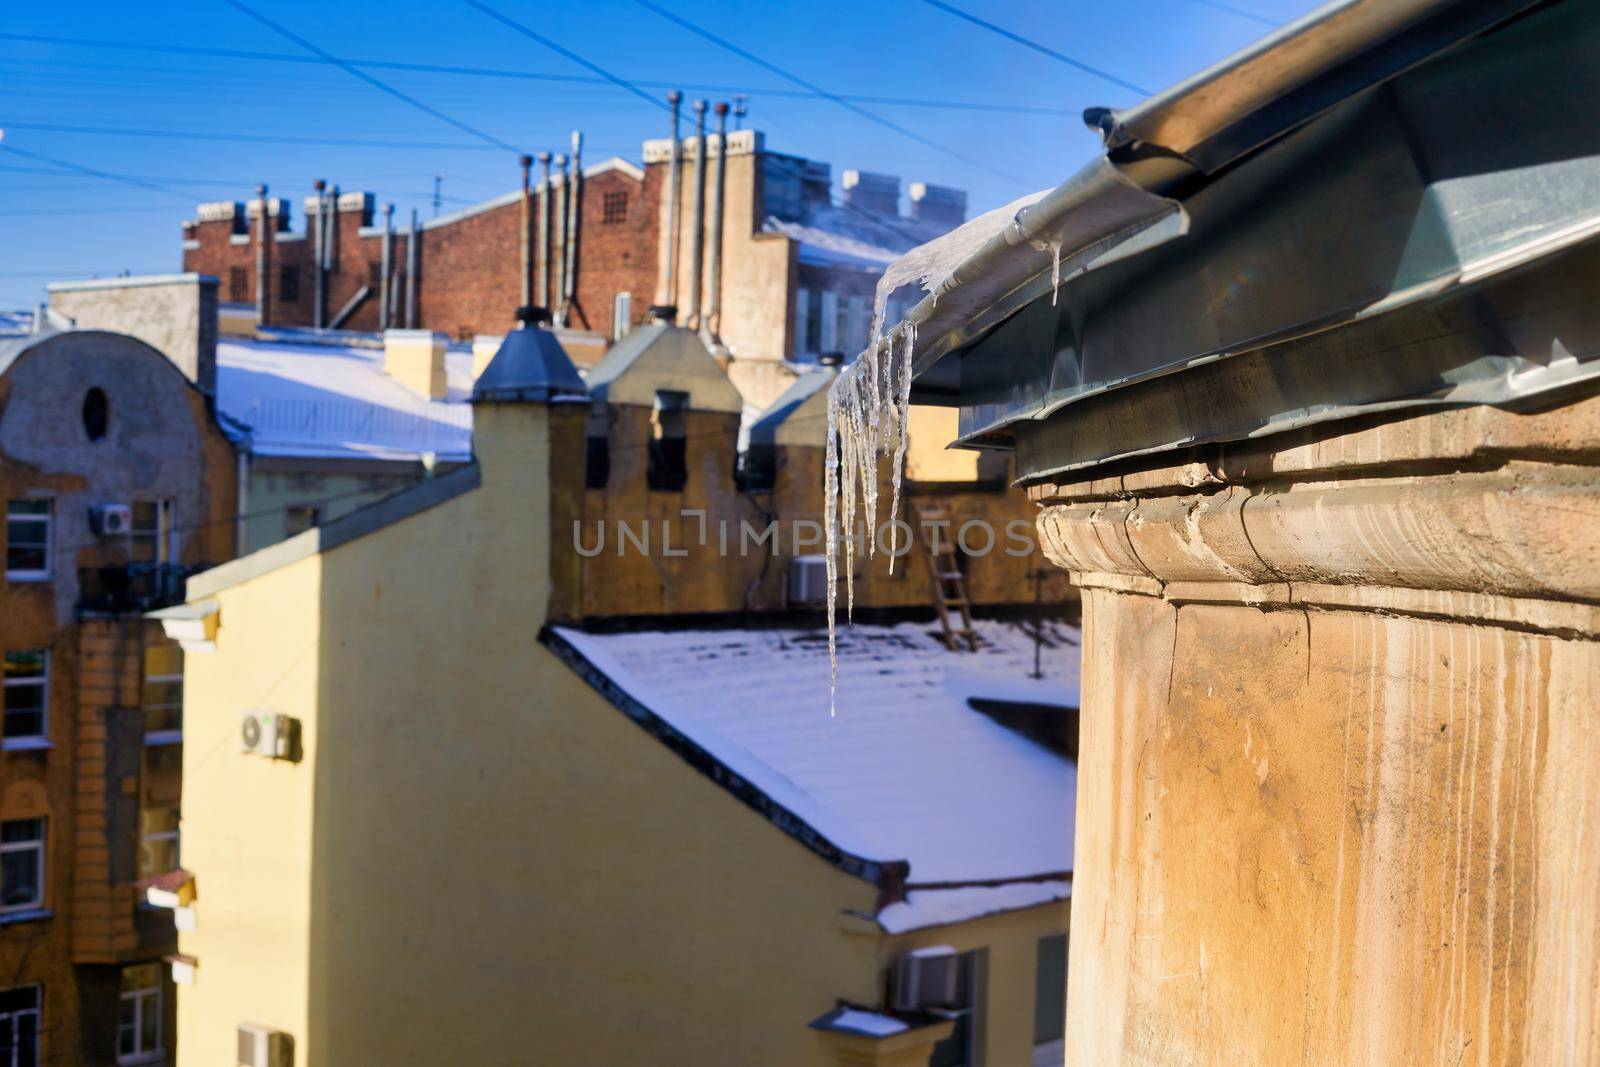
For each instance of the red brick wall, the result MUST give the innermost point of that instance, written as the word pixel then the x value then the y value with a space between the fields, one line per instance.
pixel 469 273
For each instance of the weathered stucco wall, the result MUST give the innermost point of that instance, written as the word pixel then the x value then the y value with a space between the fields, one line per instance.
pixel 176 314
pixel 1339 747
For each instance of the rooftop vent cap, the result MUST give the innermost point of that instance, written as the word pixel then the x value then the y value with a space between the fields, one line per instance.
pixel 667 313
pixel 528 315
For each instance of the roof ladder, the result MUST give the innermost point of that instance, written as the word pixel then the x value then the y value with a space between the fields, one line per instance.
pixel 944 576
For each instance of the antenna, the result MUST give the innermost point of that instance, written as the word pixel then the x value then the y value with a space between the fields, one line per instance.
pixel 438 186
pixel 741 108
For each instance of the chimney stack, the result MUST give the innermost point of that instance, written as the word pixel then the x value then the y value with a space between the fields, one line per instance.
pixel 525 232
pixel 386 268
pixel 938 204
pixel 697 220
pixel 668 294
pixel 574 229
pixel 878 194
pixel 264 242
pixel 561 234
pixel 713 324
pixel 415 359
pixel 318 299
pixel 544 230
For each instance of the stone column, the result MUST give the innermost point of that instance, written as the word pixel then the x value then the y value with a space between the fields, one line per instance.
pixel 1339 786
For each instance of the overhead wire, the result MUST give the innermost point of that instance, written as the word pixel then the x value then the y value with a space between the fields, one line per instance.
pixel 1028 42
pixel 377 83
pixel 870 116
pixel 525 75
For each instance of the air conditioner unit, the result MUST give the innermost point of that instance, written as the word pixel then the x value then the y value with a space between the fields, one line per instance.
pixel 925 978
pixel 111 520
pixel 808 580
pixel 266 733
pixel 262 1046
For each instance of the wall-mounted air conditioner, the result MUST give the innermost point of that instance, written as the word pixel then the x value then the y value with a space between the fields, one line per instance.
pixel 111 520
pixel 267 733
pixel 808 581
pixel 925 978
pixel 262 1046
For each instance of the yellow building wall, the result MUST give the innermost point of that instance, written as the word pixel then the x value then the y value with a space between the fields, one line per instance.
pixel 500 864
pixel 247 821
pixel 1010 980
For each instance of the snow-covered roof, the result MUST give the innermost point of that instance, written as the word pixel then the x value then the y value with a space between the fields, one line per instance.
pixel 14 322
pixel 852 239
pixel 906 771
pixel 336 402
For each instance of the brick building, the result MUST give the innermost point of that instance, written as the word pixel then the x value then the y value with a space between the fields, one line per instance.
pixel 117 481
pixel 792 275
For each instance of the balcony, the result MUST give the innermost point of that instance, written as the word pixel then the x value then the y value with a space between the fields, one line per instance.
pixel 125 588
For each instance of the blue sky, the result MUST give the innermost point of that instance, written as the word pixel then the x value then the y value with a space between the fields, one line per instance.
pixel 62 225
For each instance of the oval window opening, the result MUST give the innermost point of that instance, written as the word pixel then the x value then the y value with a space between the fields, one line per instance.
pixel 96 413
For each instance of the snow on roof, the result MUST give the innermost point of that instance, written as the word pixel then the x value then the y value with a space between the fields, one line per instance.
pixel 329 401
pixel 858 1021
pixel 14 322
pixel 938 907
pixel 837 237
pixel 907 770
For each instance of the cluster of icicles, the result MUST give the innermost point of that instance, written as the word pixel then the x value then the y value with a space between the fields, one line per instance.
pixel 868 406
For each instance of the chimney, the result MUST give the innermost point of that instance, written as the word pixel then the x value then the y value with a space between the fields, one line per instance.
pixel 360 203
pixel 264 241
pixel 386 268
pixel 668 293
pixel 574 229
pixel 878 194
pixel 544 230
pixel 697 220
pixel 713 323
pixel 174 313
pixel 318 203
pixel 525 231
pixel 415 359
pixel 938 204
pixel 561 234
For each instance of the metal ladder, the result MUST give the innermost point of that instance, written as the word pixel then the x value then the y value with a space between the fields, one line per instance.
pixel 945 577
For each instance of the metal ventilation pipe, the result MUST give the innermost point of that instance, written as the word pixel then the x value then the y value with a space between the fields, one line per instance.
pixel 698 222
pixel 411 272
pixel 561 237
pixel 714 313
pixel 317 297
pixel 263 257
pixel 525 236
pixel 330 249
pixel 574 229
pixel 544 232
pixel 385 266
pixel 669 281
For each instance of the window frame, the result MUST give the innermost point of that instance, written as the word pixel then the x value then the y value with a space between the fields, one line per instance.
pixel 11 1017
pixel 165 532
pixel 39 845
pixel 238 283
pixel 141 998
pixel 171 735
pixel 42 683
pixel 46 520
pixel 614 208
pixel 621 315
pixel 174 835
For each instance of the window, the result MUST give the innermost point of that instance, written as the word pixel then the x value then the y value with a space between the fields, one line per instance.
pixel 27 696
pixel 19 1027
pixel 963 1047
pixel 158 841
pixel 21 865
pixel 27 540
pixel 96 413
pixel 151 536
pixel 668 468
pixel 238 285
pixel 139 1026
pixel 1050 991
pixel 289 285
pixel 621 315
pixel 299 518
pixel 162 695
pixel 614 208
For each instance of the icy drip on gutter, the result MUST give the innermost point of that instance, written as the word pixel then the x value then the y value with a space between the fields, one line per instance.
pixel 869 406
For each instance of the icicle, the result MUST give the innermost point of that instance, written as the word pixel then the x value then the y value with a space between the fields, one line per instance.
pixel 830 465
pixel 1055 271
pixel 902 420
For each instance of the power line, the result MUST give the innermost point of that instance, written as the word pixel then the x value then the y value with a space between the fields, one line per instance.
pixel 245 138
pixel 870 116
pixel 523 75
pixel 512 23
pixel 1027 42
pixel 92 172
pixel 1241 12
pixel 376 83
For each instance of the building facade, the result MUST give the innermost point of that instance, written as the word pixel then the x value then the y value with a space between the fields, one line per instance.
pixel 639 871
pixel 117 484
